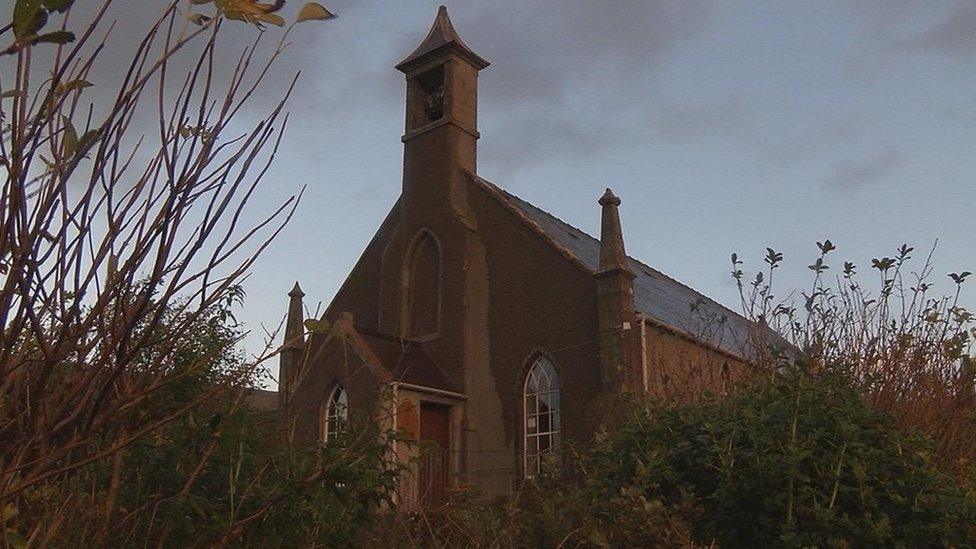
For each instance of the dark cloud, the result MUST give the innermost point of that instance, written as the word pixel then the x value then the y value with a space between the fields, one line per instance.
pixel 954 36
pixel 867 170
pixel 566 68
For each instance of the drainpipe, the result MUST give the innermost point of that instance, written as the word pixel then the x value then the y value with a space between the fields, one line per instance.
pixel 642 319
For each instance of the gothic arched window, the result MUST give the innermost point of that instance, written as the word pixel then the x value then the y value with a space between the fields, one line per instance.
pixel 423 287
pixel 541 409
pixel 336 413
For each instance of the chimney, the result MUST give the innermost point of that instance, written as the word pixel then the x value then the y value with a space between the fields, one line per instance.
pixel 619 359
pixel 293 346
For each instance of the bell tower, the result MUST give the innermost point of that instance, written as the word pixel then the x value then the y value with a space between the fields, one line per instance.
pixel 441 113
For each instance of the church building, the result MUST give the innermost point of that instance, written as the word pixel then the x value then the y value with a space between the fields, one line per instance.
pixel 484 325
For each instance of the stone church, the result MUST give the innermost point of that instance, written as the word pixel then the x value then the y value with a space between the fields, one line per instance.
pixel 489 326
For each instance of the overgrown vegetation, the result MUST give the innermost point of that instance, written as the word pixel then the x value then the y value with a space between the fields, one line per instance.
pixel 123 410
pixel 791 461
pixel 219 473
pixel 122 244
pixel 857 431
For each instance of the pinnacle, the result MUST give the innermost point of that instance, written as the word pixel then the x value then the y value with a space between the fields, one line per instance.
pixel 296 291
pixel 609 198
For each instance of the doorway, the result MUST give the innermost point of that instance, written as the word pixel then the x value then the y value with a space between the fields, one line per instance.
pixel 435 464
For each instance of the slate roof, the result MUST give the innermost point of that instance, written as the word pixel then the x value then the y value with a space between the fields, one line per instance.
pixel 663 299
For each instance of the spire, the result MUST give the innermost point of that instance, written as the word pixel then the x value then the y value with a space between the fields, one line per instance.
pixel 612 254
pixel 292 349
pixel 295 323
pixel 441 36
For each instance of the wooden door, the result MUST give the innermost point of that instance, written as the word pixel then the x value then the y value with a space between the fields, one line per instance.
pixel 435 431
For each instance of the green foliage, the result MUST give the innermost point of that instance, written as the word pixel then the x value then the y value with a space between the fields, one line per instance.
pixel 220 472
pixel 795 462
pixel 789 462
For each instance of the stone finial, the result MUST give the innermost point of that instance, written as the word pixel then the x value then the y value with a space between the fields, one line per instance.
pixel 296 291
pixel 612 254
pixel 609 199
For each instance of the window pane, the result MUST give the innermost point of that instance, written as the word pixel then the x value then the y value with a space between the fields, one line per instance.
pixel 544 444
pixel 544 424
pixel 337 414
pixel 541 422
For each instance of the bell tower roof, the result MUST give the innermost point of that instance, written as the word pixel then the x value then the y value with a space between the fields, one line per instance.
pixel 441 37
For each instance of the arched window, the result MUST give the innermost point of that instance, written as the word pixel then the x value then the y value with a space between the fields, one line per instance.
pixel 541 401
pixel 336 413
pixel 422 305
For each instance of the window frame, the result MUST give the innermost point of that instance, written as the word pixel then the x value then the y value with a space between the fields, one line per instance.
pixel 336 416
pixel 542 369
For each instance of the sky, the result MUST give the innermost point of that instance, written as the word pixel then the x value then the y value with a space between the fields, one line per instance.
pixel 723 126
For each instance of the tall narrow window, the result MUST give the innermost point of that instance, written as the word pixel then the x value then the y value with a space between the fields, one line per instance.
pixel 424 287
pixel 541 397
pixel 336 413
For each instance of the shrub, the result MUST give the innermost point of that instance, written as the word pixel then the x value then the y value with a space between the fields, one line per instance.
pixel 792 462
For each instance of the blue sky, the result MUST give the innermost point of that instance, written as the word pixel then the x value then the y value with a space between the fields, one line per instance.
pixel 724 127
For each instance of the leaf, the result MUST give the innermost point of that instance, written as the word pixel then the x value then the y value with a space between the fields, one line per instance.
pixel 317 326
pixel 773 257
pixel 56 37
pixel 76 84
pixel 29 17
pixel 959 278
pixel 70 142
pixel 826 246
pixel 313 11
pixel 272 18
pixel 87 140
pixel 59 6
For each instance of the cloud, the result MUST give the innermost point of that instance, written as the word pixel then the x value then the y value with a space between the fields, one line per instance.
pixel 567 69
pixel 867 170
pixel 683 121
pixel 954 36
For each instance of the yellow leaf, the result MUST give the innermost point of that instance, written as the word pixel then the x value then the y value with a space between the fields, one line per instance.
pixel 313 11
pixel 272 18
pixel 70 142
pixel 77 84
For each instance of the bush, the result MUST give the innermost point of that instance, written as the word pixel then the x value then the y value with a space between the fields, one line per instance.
pixel 219 472
pixel 795 461
pixel 790 462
